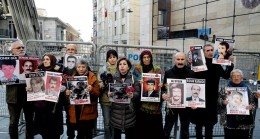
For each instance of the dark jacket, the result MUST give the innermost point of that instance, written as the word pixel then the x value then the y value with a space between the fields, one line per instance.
pixel 123 116
pixel 232 121
pixel 177 73
pixel 48 118
pixel 212 76
pixel 190 99
pixel 197 62
pixel 15 91
pixel 153 94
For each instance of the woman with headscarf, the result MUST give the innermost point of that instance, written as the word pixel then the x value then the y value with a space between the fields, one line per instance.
pixel 48 120
pixel 149 116
pixel 104 75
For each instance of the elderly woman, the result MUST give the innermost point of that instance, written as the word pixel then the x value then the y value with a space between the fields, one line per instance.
pixel 237 126
pixel 48 120
pixel 85 115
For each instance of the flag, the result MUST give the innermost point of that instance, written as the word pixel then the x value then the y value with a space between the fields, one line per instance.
pixel 105 12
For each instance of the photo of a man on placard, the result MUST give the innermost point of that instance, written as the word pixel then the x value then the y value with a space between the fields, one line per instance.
pixel 27 66
pixel 195 93
pixel 176 94
pixel 53 83
pixel 151 92
pixel 236 101
pixel 196 60
pixel 8 68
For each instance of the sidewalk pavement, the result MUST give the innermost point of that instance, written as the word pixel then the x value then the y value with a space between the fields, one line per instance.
pixel 5 121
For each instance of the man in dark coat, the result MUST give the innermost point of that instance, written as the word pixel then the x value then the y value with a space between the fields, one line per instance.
pixel 208 116
pixel 179 71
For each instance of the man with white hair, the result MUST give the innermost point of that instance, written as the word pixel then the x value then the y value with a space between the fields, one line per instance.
pixel 16 99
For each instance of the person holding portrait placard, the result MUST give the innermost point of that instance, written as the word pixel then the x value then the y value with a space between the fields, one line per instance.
pixel 207 117
pixel 149 114
pixel 16 98
pixel 178 71
pixel 123 115
pixel 48 119
pixel 237 126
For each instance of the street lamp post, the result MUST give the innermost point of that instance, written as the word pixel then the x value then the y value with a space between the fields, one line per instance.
pixel 130 11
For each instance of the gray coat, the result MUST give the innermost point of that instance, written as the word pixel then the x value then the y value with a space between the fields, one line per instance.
pixel 123 116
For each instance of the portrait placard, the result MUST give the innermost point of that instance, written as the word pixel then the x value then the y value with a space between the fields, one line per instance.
pixel 223 50
pixel 9 69
pixel 79 95
pixel 195 94
pixel 27 64
pixel 176 91
pixel 70 60
pixel 35 83
pixel 53 86
pixel 197 59
pixel 150 90
pixel 237 98
pixel 118 93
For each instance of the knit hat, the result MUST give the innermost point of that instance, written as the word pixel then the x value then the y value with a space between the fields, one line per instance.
pixel 146 52
pixel 113 52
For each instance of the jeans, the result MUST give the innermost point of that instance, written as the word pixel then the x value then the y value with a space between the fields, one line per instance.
pixel 172 117
pixel 14 112
pixel 106 116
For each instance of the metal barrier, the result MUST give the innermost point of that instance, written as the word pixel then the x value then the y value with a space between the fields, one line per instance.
pixel 161 55
pixel 5 45
pixel 40 47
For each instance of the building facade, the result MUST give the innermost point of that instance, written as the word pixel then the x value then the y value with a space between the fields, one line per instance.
pixel 181 23
pixel 116 22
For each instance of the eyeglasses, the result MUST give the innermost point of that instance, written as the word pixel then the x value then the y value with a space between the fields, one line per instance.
pixel 70 49
pixel 20 47
pixel 236 76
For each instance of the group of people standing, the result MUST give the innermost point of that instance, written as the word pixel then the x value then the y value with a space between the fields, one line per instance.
pixel 46 118
pixel 139 119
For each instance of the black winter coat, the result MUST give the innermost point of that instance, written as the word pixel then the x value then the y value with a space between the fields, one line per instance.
pixel 123 116
pixel 208 115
